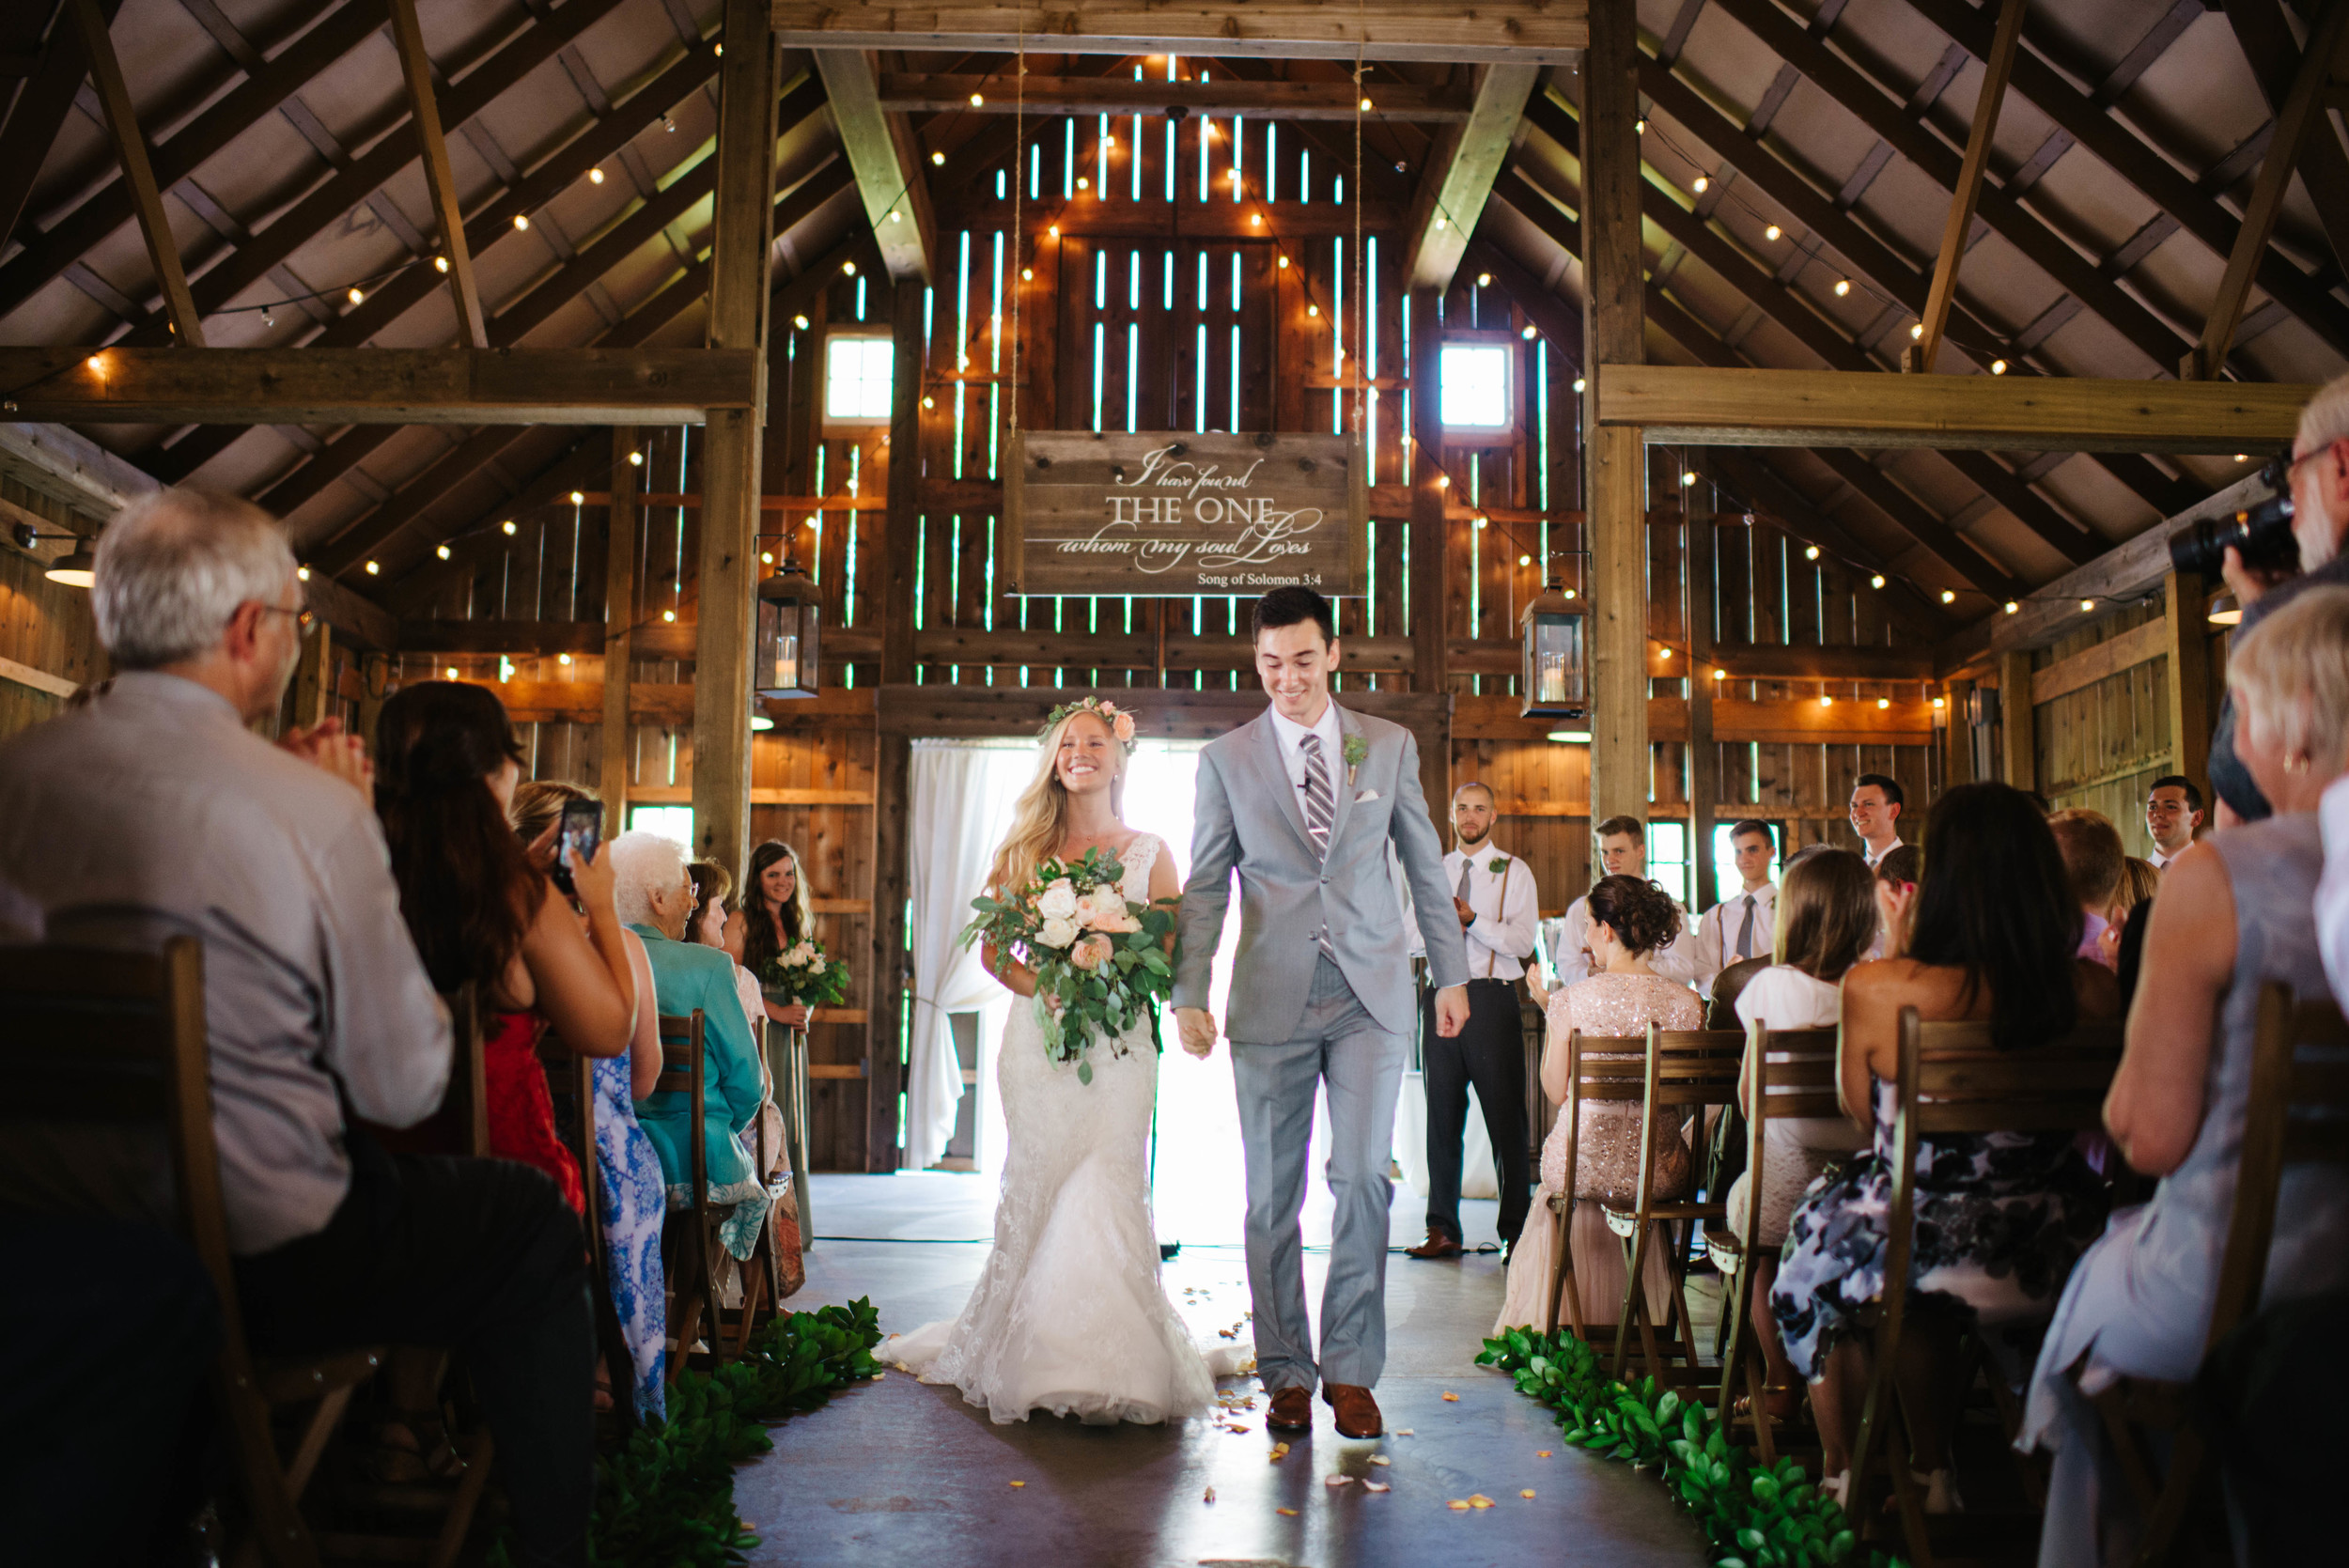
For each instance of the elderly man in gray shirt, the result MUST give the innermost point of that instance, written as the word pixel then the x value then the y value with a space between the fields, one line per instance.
pixel 152 808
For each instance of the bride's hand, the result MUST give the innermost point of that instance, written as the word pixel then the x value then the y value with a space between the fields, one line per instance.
pixel 1196 1026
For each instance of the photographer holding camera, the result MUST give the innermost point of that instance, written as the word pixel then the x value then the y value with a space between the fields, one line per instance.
pixel 2268 553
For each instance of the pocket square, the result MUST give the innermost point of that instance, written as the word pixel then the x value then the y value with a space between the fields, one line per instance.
pixel 1365 794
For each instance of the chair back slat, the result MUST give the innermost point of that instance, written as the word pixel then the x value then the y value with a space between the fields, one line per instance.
pixel 1624 1079
pixel 1795 1075
pixel 1964 1083
pixel 682 1071
pixel 1697 1067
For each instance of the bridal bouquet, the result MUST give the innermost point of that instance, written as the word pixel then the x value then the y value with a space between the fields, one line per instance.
pixel 800 975
pixel 1100 960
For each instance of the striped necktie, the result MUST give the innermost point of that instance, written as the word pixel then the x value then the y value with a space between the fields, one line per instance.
pixel 1320 800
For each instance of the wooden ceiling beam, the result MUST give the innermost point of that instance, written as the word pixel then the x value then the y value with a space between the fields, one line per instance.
pixel 915 93
pixel 138 173
pixel 36 114
pixel 2156 177
pixel 2267 45
pixel 1459 174
pixel 395 386
pixel 440 179
pixel 2303 113
pixel 890 174
pixel 1501 32
pixel 2039 413
pixel 1959 227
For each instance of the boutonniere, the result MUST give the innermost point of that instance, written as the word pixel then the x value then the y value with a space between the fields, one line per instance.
pixel 1355 749
pixel 1498 865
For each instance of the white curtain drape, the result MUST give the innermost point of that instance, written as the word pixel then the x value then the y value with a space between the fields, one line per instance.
pixel 963 794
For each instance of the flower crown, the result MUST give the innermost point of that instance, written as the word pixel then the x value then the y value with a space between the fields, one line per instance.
pixel 1120 722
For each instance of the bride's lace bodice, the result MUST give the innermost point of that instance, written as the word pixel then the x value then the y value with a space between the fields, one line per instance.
pixel 1139 857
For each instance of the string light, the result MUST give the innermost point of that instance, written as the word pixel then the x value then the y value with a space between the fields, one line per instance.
pixel 1640 127
pixel 2011 607
pixel 800 321
pixel 1843 286
pixel 1826 701
pixel 302 574
pixel 357 294
pixel 1998 368
pixel 96 364
pixel 594 176
pixel 509 527
pixel 1720 674
pixel 1949 595
pixel 668 614
pixel 1529 334
pixel 1701 185
pixel 1876 581
pixel 847 269
pixel 452 672
pixel 375 568
pixel 578 499
pixel 978 100
pixel 1313 310
pixel 937 157
pixel 1027 275
pixel 441 551
pixel 1525 560
pixel 1811 553
pixel 1884 702
pixel 1772 232
pixel 1577 383
pixel 522 220
pixel 440 264
pixel 637 459
pixel 1285 267
pixel 1365 105
pixel 1687 479
pixel 561 659
pixel 1484 280
pixel 2088 606
pixel 1916 330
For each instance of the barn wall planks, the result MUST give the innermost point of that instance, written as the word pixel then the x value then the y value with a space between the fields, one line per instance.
pixel 44 625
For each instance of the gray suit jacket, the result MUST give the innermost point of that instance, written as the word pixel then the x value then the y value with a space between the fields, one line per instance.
pixel 1247 817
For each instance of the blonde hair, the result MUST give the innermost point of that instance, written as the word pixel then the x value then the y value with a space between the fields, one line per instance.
pixel 2139 881
pixel 1041 813
pixel 539 801
pixel 2292 671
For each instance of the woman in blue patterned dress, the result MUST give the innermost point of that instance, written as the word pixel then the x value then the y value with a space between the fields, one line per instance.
pixel 629 1190
pixel 2000 1216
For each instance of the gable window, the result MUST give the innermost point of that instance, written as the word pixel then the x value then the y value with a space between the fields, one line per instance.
pixel 858 369
pixel 1475 395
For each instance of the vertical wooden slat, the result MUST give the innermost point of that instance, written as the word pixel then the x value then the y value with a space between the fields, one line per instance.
pixel 1704 757
pixel 2188 646
pixel 2018 744
pixel 1429 541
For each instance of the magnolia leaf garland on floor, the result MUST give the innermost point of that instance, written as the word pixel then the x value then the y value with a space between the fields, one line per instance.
pixel 1755 1515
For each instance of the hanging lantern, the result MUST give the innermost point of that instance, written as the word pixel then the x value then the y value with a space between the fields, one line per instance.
pixel 1557 678
pixel 790 620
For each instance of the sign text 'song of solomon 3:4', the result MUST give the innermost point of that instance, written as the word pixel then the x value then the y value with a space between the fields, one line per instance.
pixel 1159 513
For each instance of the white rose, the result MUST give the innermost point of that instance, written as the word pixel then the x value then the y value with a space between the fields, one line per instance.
pixel 1059 901
pixel 815 966
pixel 1059 931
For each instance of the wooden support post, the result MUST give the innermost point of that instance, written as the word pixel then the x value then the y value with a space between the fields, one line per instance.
pixel 1957 761
pixel 2018 734
pixel 139 172
pixel 1996 70
pixel 620 619
pixel 1704 757
pixel 2189 648
pixel 892 770
pixel 313 677
pixel 2303 108
pixel 742 224
pixel 1430 535
pixel 455 257
pixel 1612 335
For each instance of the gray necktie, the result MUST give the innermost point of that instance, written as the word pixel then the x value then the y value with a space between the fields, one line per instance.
pixel 1320 802
pixel 1745 931
pixel 1466 866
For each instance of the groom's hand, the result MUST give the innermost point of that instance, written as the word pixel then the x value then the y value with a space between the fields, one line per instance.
pixel 1196 1025
pixel 1451 1010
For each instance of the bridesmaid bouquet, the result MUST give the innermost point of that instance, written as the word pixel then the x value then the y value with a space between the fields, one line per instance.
pixel 802 975
pixel 1099 960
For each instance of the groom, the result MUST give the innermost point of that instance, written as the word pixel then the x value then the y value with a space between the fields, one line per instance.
pixel 1304 801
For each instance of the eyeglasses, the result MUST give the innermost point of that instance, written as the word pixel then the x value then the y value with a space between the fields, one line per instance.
pixel 303 620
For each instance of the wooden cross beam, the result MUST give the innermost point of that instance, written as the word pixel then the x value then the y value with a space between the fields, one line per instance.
pixel 375 386
pixel 1501 32
pixel 2046 413
pixel 1960 225
pixel 1459 176
pixel 455 257
pixel 890 175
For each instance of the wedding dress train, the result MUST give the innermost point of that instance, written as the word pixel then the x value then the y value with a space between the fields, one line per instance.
pixel 1069 1314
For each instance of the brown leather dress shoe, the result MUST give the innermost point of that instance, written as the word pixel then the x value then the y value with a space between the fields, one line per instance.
pixel 1437 1245
pixel 1357 1412
pixel 1292 1410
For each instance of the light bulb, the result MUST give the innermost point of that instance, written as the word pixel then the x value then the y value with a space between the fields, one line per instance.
pixel 929 402
pixel 1826 701
pixel 1481 521
pixel 1720 674
pixel 1255 220
pixel 1771 233
pixel 522 220
pixel 1949 595
pixel 1284 264
pixel 1916 330
pixel 509 527
pixel 1365 105
pixel 2011 607
pixel 561 659
pixel 1998 368
pixel 452 672
pixel 302 574
pixel 766 557
pixel 579 498
pixel 847 269
pixel 668 614
pixel 1313 310
pixel 800 321
pixel 1529 334
pixel 1811 553
pixel 1884 702
pixel 595 177
pixel 375 568
pixel 356 294
pixel 441 551
pixel 2087 606
pixel 1663 653
pixel 100 365
pixel 1577 383
pixel 440 264
pixel 1525 560
pixel 937 157
pixel 1876 581
pixel 1440 220
pixel 1484 280
pixel 1640 126
pixel 1686 478
pixel 895 215
pixel 2242 458
pixel 1843 286
pixel 1083 183
pixel 1053 231
pixel 1444 481
pixel 1569 593
pixel 978 100
pixel 635 459
pixel 1700 185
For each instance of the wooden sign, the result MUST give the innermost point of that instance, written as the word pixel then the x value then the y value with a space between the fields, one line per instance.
pixel 1169 514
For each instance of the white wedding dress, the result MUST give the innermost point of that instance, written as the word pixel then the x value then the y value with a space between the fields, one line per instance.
pixel 1069 1314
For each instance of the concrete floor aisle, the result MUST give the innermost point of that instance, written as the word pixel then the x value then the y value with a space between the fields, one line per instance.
pixel 900 1473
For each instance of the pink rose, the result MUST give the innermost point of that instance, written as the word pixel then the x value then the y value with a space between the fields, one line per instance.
pixel 1118 922
pixel 1090 954
pixel 1123 727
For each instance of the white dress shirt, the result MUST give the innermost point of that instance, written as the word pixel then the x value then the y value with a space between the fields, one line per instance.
pixel 1500 938
pixel 1872 856
pixel 1679 959
pixel 2160 861
pixel 1717 933
pixel 1292 736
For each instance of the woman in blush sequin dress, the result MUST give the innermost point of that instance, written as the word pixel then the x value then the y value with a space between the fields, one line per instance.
pixel 1629 920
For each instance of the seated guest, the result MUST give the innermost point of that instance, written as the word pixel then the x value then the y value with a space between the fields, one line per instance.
pixel 2235 914
pixel 1629 920
pixel 655 897
pixel 628 1185
pixel 446 766
pixel 2093 861
pixel 1994 934
pixel 155 796
pixel 1896 875
pixel 776 914
pixel 707 925
pixel 2139 881
pixel 1827 917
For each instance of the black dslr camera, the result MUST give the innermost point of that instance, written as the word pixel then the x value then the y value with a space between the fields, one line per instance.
pixel 2262 530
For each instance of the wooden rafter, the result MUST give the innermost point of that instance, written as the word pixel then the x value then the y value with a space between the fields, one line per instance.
pixel 1959 227
pixel 2267 45
pixel 138 174
pixel 36 114
pixel 890 174
pixel 2302 111
pixel 423 114
pixel 1460 174
pixel 1538 32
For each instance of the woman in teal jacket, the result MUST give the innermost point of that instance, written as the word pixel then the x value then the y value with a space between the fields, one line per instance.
pixel 654 897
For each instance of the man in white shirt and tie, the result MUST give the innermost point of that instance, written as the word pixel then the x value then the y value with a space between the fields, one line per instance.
pixel 1876 815
pixel 1623 852
pixel 1740 927
pixel 1493 895
pixel 2173 809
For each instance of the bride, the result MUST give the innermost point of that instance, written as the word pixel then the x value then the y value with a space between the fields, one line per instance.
pixel 1069 1315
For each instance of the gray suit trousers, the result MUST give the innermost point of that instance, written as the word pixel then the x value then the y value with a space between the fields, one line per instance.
pixel 1338 1042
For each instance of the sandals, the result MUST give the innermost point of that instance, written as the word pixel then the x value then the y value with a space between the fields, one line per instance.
pixel 413 1445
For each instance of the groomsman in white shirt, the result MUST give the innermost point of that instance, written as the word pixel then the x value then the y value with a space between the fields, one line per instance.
pixel 2173 809
pixel 1740 927
pixel 1494 896
pixel 1876 815
pixel 1623 852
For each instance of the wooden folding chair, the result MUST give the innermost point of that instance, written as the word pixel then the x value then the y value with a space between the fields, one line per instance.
pixel 761 1272
pixel 1954 1079
pixel 571 1089
pixel 98 1039
pixel 1794 1076
pixel 1683 1072
pixel 2297 1115
pixel 1614 1070
pixel 689 1235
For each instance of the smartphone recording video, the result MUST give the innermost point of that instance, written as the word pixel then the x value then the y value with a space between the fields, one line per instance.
pixel 580 834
